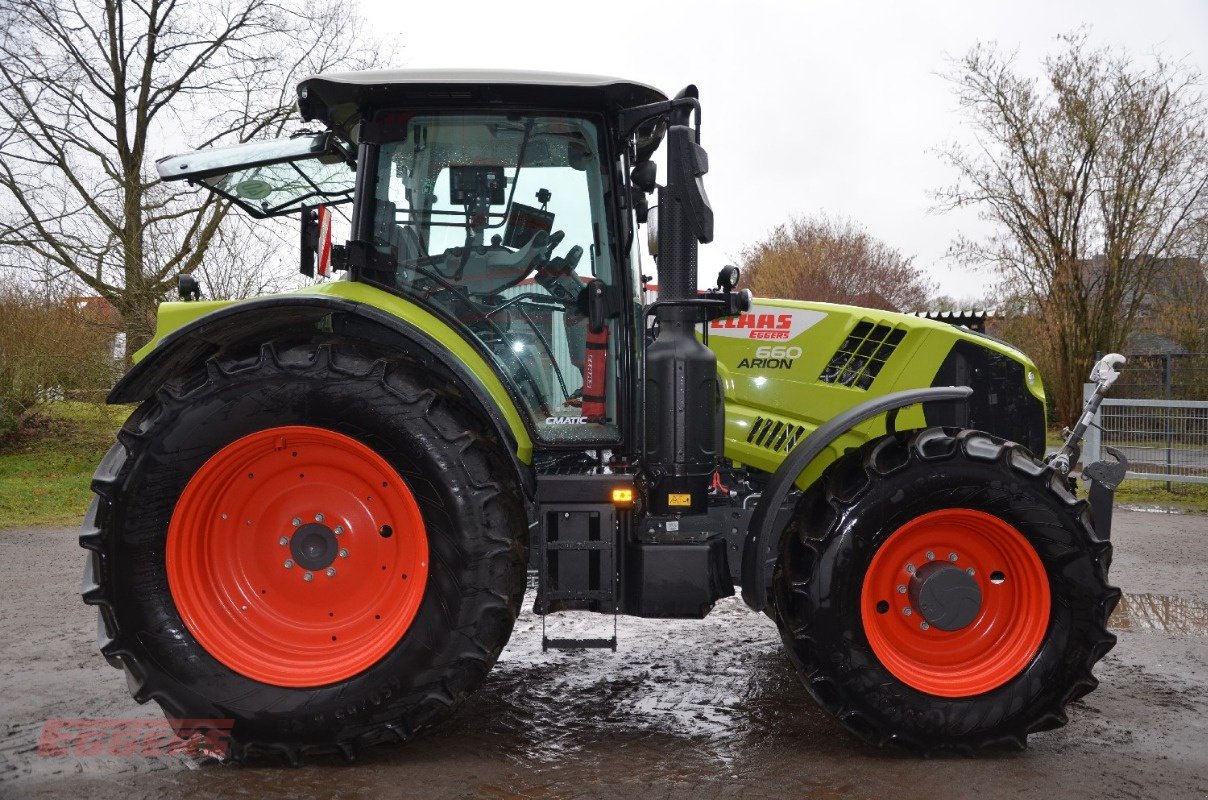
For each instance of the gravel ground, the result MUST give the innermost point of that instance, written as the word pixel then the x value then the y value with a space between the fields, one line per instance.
pixel 683 709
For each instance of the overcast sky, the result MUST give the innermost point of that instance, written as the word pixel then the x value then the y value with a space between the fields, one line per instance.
pixel 807 106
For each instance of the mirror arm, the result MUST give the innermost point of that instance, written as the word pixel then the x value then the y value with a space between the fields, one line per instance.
pixel 632 118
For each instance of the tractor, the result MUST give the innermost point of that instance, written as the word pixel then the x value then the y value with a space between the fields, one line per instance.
pixel 320 522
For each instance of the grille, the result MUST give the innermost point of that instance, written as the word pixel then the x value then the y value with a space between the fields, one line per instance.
pixel 775 435
pixel 862 355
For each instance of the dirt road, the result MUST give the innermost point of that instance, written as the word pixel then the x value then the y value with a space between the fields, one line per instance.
pixel 684 709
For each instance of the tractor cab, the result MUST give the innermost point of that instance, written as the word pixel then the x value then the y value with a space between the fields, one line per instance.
pixel 499 202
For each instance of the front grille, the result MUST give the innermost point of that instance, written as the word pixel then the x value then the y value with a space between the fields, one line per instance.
pixel 776 435
pixel 862 355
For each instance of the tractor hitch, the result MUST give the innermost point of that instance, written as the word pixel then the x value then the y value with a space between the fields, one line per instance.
pixel 1104 477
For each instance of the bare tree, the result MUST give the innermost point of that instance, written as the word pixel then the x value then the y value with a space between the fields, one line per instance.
pixel 91 91
pixel 245 259
pixel 834 261
pixel 1091 175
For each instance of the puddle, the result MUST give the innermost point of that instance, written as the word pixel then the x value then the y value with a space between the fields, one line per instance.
pixel 1160 612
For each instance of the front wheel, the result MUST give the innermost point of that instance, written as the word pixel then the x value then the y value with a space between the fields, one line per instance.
pixel 944 590
pixel 319 544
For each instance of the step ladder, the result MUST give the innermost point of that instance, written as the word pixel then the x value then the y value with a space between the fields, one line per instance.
pixel 578 536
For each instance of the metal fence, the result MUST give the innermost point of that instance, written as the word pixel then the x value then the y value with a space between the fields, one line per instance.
pixel 1170 376
pixel 1163 440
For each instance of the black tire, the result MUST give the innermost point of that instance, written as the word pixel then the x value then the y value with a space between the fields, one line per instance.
pixel 468 494
pixel 856 506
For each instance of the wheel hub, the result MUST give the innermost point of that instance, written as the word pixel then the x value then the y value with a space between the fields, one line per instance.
pixel 297 556
pixel 947 596
pixel 314 546
pixel 955 602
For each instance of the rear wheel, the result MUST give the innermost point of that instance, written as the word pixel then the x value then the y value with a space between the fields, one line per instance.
pixel 322 546
pixel 944 590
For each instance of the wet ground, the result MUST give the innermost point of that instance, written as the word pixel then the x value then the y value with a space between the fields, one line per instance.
pixel 683 709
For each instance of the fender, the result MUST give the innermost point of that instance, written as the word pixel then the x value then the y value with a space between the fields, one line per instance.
pixel 760 548
pixel 258 320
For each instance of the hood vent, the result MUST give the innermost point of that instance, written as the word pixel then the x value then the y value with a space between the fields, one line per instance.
pixel 776 435
pixel 862 355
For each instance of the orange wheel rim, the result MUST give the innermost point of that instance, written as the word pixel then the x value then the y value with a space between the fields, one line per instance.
pixel 984 644
pixel 297 556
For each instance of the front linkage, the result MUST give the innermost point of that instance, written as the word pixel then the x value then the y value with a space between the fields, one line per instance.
pixel 1104 477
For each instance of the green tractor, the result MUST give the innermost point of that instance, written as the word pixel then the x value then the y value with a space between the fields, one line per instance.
pixel 319 523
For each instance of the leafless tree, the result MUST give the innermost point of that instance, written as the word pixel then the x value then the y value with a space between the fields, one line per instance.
pixel 92 91
pixel 833 261
pixel 245 259
pixel 1091 175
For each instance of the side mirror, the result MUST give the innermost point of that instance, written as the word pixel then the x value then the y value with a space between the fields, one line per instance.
pixel 687 165
pixel 643 175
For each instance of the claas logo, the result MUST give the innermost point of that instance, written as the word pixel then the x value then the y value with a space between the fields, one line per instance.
pixel 757 326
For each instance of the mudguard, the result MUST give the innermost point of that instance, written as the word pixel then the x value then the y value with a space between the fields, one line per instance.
pixel 763 534
pixel 189 333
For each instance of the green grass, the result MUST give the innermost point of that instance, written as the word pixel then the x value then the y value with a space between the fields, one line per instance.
pixel 1183 496
pixel 45 469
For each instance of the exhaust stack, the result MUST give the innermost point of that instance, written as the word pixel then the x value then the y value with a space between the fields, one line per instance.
pixel 682 400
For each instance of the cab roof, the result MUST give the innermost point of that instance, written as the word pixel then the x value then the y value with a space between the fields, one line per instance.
pixel 338 99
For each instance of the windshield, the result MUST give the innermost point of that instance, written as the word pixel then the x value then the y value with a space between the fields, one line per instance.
pixel 500 221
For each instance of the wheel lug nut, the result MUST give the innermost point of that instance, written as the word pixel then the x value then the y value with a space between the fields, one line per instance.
pixel 289 562
pixel 910 568
pixel 901 589
pixel 308 576
pixel 924 625
pixel 331 572
pixel 283 541
pixel 907 611
pixel 969 571
pixel 952 556
pixel 930 556
pixel 319 518
pixel 295 522
pixel 338 530
pixel 343 552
